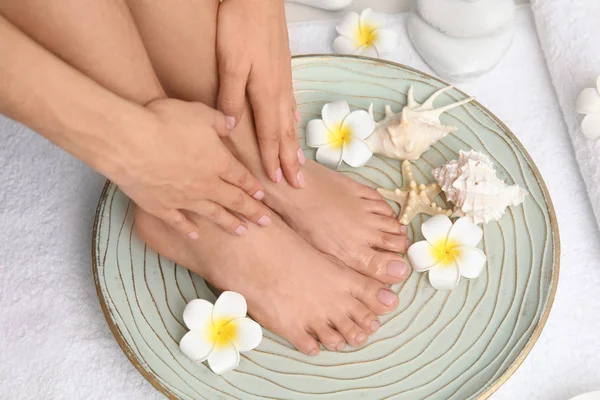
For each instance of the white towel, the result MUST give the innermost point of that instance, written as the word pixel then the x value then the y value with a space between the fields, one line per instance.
pixel 569 32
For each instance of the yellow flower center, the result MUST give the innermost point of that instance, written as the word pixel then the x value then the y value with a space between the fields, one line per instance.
pixel 339 136
pixel 445 252
pixel 221 332
pixel 365 35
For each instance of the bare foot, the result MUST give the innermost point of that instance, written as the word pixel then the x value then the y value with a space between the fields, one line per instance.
pixel 291 288
pixel 335 214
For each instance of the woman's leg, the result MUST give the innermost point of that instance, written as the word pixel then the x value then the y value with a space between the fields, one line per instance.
pixel 291 288
pixel 350 225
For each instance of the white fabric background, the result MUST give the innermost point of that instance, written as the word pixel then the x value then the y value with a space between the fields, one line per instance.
pixel 55 344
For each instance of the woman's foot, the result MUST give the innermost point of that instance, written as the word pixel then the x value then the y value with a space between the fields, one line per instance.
pixel 291 288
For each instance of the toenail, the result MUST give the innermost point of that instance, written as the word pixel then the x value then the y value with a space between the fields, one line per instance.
pixel 408 243
pixel 403 229
pixel 341 346
pixel 241 230
pixel 361 337
pixel 313 352
pixel 193 235
pixel 230 122
pixel 301 157
pixel 265 220
pixel 259 195
pixel 375 325
pixel 396 268
pixel 278 175
pixel 386 296
pixel 300 179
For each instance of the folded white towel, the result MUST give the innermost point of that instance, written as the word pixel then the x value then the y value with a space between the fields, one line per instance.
pixel 569 32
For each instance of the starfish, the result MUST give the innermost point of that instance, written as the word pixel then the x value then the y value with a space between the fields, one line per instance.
pixel 414 199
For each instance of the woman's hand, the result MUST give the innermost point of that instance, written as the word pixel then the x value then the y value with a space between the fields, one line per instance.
pixel 254 57
pixel 181 164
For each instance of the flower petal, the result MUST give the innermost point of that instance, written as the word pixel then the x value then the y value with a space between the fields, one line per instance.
pixel 344 45
pixel 197 314
pixel 590 126
pixel 224 359
pixel 444 277
pixel 357 153
pixel 229 305
pixel 196 346
pixel 386 41
pixel 360 124
pixel 598 83
pixel 372 19
pixel 421 256
pixel 334 113
pixel 249 334
pixel 465 233
pixel 368 51
pixel 470 261
pixel 349 25
pixel 436 229
pixel 316 133
pixel 588 101
pixel 329 156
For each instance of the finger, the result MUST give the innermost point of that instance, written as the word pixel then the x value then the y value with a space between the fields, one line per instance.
pixel 289 151
pixel 220 216
pixel 238 175
pixel 182 224
pixel 232 90
pixel 267 131
pixel 239 202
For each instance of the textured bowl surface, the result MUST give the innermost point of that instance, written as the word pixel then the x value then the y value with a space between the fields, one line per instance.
pixel 437 345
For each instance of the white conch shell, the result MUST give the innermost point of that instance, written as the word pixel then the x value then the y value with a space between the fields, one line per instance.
pixel 408 134
pixel 472 185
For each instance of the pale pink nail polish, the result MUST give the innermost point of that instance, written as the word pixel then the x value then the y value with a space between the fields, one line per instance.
pixel 230 122
pixel 259 195
pixel 241 230
pixel 341 346
pixel 300 177
pixel 396 269
pixel 301 157
pixel 361 337
pixel 403 229
pixel 313 352
pixel 278 175
pixel 265 220
pixel 375 325
pixel 386 297
pixel 297 113
pixel 193 235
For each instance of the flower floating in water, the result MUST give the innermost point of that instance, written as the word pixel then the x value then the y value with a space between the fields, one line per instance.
pixel 364 35
pixel 219 333
pixel 588 103
pixel 448 252
pixel 340 135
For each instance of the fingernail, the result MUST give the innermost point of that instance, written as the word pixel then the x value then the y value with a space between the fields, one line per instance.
pixel 265 220
pixel 396 268
pixel 230 122
pixel 386 297
pixel 301 157
pixel 259 195
pixel 313 352
pixel 300 177
pixel 193 235
pixel 278 175
pixel 297 114
pixel 341 346
pixel 375 325
pixel 241 230
pixel 403 229
pixel 361 337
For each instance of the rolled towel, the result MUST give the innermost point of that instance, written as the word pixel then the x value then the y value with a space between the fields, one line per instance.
pixel 569 32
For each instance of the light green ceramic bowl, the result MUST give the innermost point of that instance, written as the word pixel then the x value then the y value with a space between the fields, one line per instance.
pixel 438 345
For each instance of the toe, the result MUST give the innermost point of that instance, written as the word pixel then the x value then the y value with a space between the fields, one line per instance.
pixel 303 341
pixel 352 333
pixel 330 338
pixel 375 296
pixel 365 318
pixel 388 224
pixel 390 242
pixel 384 266
pixel 379 207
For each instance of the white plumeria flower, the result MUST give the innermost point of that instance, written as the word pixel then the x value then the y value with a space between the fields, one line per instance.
pixel 588 103
pixel 340 135
pixel 364 35
pixel 448 252
pixel 219 333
